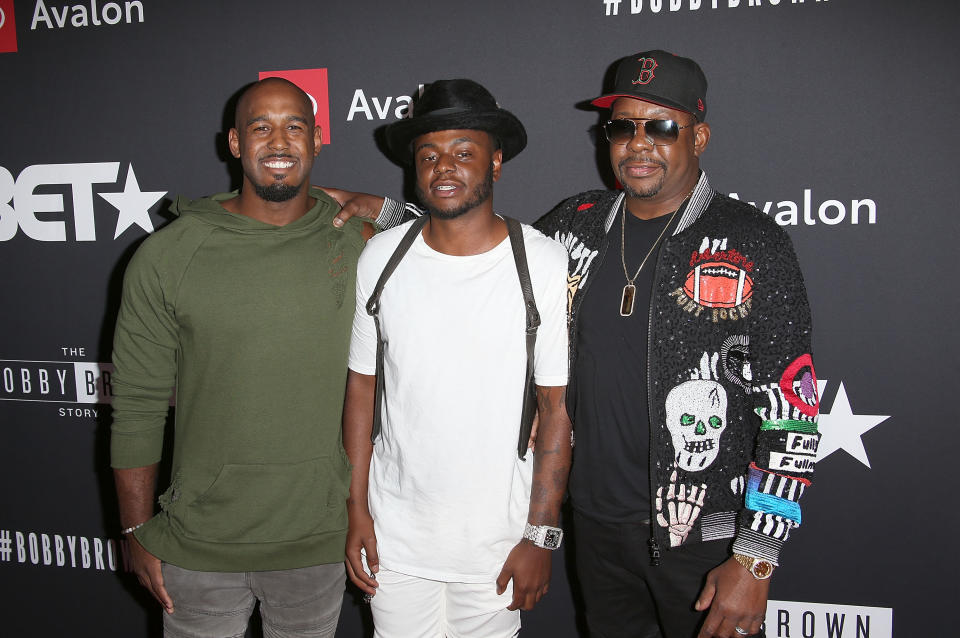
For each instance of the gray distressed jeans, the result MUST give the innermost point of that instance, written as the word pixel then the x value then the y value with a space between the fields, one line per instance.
pixel 294 603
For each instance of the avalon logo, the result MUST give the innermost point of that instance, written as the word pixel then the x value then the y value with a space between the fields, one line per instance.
pixel 830 211
pixel 80 16
pixel 314 84
pixel 8 28
pixel 20 203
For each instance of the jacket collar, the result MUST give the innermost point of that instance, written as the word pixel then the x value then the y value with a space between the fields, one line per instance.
pixel 699 200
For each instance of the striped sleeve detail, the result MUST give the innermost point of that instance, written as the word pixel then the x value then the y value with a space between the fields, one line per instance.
pixel 779 414
pixel 394 213
pixel 718 525
pixel 771 525
pixel 774 494
pixel 752 541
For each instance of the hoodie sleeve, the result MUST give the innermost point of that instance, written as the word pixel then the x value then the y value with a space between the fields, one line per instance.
pixel 144 358
pixel 785 396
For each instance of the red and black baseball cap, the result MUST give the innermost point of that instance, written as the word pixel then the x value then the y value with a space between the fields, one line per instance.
pixel 662 78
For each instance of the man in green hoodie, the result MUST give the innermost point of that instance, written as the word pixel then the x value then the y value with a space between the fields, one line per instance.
pixel 244 304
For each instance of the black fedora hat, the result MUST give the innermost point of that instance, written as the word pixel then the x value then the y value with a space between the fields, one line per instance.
pixel 456 104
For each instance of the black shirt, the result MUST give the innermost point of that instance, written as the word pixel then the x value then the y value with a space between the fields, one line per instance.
pixel 609 480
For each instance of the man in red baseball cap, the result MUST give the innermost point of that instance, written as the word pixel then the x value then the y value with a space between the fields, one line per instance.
pixel 691 382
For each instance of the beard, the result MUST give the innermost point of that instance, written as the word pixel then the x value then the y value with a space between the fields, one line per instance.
pixel 276 192
pixel 650 191
pixel 480 193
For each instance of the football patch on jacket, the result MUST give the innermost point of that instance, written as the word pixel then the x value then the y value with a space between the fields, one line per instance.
pixel 719 281
pixel 715 284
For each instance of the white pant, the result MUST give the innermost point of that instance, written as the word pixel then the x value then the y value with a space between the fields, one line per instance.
pixel 410 607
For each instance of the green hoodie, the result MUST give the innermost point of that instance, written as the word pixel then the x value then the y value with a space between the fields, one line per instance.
pixel 251 323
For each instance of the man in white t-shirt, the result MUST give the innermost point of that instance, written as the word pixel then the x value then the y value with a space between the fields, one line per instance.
pixel 451 530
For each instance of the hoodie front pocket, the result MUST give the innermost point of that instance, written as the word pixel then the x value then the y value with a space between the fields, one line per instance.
pixel 273 502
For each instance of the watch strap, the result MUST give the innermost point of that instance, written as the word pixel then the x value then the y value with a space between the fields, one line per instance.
pixel 544 536
pixel 759 568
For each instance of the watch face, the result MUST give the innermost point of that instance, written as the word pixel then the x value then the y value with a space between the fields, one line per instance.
pixel 552 538
pixel 762 569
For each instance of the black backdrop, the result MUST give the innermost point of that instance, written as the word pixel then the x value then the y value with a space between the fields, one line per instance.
pixel 836 116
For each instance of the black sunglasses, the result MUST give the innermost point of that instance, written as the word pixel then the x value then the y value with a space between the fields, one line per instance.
pixel 659 132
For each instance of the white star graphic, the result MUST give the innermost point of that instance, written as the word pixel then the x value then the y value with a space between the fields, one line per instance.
pixel 133 204
pixel 841 428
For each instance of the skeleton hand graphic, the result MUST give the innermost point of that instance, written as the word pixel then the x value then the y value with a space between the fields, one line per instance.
pixel 682 508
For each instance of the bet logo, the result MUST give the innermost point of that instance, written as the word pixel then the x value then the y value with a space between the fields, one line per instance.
pixel 24 209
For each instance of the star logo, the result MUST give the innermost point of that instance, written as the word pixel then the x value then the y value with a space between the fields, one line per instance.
pixel 842 429
pixel 133 204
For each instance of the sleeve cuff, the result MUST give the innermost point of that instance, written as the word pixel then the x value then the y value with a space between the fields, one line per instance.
pixel 360 368
pixel 390 213
pixel 752 543
pixel 136 449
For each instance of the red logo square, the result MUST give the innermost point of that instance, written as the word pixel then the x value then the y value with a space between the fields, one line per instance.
pixel 8 27
pixel 314 83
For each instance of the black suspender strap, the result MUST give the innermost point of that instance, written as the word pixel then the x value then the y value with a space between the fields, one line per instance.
pixel 373 309
pixel 533 322
pixel 515 232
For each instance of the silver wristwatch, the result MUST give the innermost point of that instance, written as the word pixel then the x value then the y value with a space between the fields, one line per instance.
pixel 543 535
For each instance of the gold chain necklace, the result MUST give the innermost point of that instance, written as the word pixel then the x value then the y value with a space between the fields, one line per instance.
pixel 630 291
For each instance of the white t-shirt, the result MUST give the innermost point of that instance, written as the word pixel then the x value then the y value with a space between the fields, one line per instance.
pixel 448 494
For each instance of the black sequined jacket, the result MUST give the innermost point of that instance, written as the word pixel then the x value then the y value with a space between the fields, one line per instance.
pixel 731 387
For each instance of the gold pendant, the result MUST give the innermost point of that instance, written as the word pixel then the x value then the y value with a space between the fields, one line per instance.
pixel 626 302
